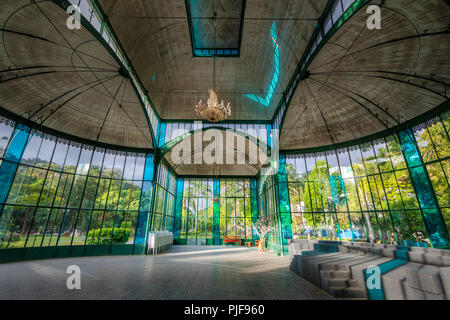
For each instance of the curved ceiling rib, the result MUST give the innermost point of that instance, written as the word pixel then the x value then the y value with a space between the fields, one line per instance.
pixel 106 35
pixel 316 104
pixel 356 101
pixel 251 166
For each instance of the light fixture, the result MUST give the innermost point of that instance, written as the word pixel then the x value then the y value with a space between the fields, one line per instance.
pixel 213 111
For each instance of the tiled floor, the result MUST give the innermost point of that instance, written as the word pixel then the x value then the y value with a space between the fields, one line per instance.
pixel 184 272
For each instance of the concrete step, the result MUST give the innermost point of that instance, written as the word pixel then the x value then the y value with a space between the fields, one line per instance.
pixel 342 267
pixel 341 275
pixel 325 274
pixel 338 292
pixel 354 292
pixel 328 267
pixel 336 283
pixel 353 283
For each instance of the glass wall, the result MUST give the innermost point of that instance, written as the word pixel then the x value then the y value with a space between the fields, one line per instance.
pixel 59 193
pixel 163 209
pixel 367 193
pixel 268 209
pixel 197 225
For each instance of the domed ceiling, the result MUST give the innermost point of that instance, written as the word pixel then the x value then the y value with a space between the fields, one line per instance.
pixel 157 40
pixel 365 81
pixel 361 82
pixel 65 79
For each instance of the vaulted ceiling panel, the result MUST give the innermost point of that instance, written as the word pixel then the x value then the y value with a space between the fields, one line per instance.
pixel 366 81
pixel 65 79
pixel 157 40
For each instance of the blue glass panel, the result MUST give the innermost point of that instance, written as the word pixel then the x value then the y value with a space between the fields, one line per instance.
pixel 141 228
pixel 149 168
pixel 17 145
pixel 140 237
pixel 410 149
pixel 8 169
pixel 269 139
pixel 7 172
pixel 161 134
pixel 178 209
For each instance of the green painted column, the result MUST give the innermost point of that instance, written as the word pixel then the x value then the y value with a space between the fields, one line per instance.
pixel 284 205
pixel 178 208
pixel 254 207
pixel 431 212
pixel 161 134
pixel 216 213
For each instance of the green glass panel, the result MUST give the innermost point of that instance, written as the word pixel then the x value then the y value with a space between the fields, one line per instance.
pixel 433 219
pixel 178 209
pixel 216 212
pixel 254 206
pixel 284 205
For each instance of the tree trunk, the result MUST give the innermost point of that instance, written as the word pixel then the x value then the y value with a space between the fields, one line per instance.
pixel 262 245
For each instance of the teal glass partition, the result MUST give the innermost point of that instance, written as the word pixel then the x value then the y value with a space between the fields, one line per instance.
pixel 284 205
pixel 177 210
pixel 426 196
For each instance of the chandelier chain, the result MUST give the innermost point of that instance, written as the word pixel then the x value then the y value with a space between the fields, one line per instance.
pixel 213 111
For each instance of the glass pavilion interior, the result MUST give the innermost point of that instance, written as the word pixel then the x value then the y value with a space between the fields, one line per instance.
pixel 91 119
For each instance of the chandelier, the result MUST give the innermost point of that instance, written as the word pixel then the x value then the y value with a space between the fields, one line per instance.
pixel 213 111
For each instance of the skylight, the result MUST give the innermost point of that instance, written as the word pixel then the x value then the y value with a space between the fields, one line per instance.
pixel 215 27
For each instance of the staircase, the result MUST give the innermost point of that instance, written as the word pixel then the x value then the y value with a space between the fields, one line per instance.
pixel 337 280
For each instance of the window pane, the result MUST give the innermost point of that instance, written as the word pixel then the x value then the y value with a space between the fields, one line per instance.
pixel 5 135
pixel 129 168
pixel 45 153
pixel 84 163
pixel 72 159
pixel 96 163
pixel 31 150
